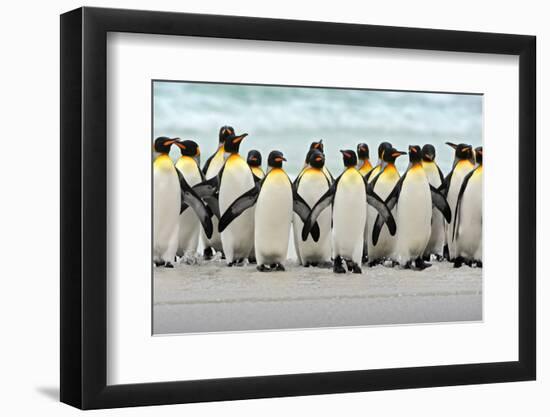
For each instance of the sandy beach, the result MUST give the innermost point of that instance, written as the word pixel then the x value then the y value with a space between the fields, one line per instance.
pixel 210 297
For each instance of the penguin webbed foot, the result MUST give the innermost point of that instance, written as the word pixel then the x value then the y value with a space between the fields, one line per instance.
pixel 338 268
pixel 458 262
pixel 208 253
pixel 277 267
pixel 420 264
pixel 263 268
pixel 236 262
pixel 168 265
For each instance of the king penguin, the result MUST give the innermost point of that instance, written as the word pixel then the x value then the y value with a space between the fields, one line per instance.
pixel 461 167
pixel 273 216
pixel 211 168
pixel 254 161
pixel 382 183
pixel 235 179
pixel 189 223
pixel 348 195
pixel 435 178
pixel 468 222
pixel 311 185
pixel 166 204
pixel 413 196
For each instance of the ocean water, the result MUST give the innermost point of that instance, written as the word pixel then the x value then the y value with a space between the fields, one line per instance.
pixel 290 118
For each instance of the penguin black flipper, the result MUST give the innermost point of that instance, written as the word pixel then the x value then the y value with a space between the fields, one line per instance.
pixel 191 199
pixel 302 209
pixel 374 200
pixel 207 163
pixel 441 176
pixel 236 208
pixel 207 188
pixel 459 199
pixel 440 202
pixel 324 201
pixel 390 202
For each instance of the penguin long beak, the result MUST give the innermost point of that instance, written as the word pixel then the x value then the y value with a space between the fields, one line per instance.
pixel 452 145
pixel 238 139
pixel 398 154
pixel 170 142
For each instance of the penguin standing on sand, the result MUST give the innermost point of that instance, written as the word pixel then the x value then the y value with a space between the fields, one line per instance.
pixel 382 183
pixel 235 179
pixel 171 196
pixel 461 167
pixel 413 196
pixel 468 222
pixel 254 161
pixel 210 170
pixel 435 178
pixel 166 204
pixel 189 224
pixel 312 184
pixel 364 166
pixel 347 195
pixel 275 198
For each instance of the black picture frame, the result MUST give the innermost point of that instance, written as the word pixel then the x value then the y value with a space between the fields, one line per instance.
pixel 84 207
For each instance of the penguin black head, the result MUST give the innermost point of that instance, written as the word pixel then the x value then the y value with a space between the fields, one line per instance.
pixel 350 157
pixel 275 159
pixel 224 132
pixel 318 146
pixel 163 144
pixel 254 158
pixel 428 153
pixel 188 148
pixel 232 143
pixel 462 150
pixel 415 154
pixel 479 155
pixel 383 148
pixel 316 159
pixel 392 154
pixel 363 151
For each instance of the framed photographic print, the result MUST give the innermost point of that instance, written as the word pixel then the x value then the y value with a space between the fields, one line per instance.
pixel 258 207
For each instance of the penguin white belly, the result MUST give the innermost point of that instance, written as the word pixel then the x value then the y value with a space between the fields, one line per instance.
pixel 237 238
pixel 189 223
pixel 385 245
pixel 349 216
pixel 437 236
pixel 311 187
pixel 213 169
pixel 273 217
pixel 469 234
pixel 461 170
pixel 166 208
pixel 414 213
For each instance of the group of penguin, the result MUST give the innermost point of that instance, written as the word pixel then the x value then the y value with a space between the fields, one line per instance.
pixel 369 214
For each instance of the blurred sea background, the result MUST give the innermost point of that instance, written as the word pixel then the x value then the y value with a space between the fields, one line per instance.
pixel 290 118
